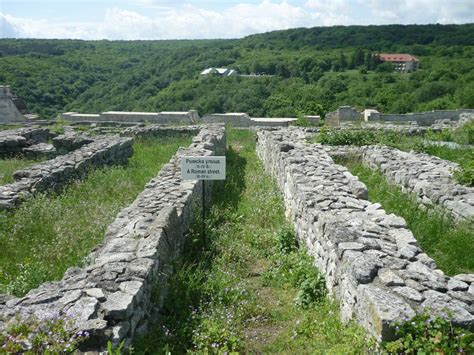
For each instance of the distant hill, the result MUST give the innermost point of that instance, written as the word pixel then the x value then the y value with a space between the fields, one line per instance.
pixel 312 70
pixel 370 37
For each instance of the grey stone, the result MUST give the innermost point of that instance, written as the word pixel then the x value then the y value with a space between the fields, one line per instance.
pixel 415 285
pixel 364 267
pixel 390 278
pixel 96 293
pixel 84 309
pixel 469 278
pixel 342 247
pixel 425 259
pixel 131 287
pixel 381 308
pixel 409 252
pixel 457 285
pixel 71 296
pixel 409 293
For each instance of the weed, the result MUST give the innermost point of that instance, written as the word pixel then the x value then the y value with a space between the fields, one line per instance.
pixel 9 165
pixel 428 334
pixel 52 335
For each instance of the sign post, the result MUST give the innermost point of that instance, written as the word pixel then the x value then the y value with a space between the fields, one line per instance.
pixel 203 168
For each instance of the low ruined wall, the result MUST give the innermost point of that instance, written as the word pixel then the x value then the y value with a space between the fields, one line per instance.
pixel 244 120
pixel 12 141
pixel 54 174
pixel 112 297
pixel 428 177
pixel 119 116
pixel 236 119
pixel 158 131
pixel 70 141
pixel 372 263
pixel 422 118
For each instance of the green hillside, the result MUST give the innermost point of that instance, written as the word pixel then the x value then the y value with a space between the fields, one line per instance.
pixel 312 70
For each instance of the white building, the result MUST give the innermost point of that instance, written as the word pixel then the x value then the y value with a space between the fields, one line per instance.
pixel 219 71
pixel 403 62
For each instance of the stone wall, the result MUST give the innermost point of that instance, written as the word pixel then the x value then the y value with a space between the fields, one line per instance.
pixel 9 112
pixel 428 177
pixel 342 114
pixel 422 118
pixel 13 141
pixel 237 119
pixel 372 263
pixel 189 117
pixel 158 131
pixel 111 297
pixel 54 174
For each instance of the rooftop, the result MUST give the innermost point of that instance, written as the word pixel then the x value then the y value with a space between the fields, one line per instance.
pixel 390 57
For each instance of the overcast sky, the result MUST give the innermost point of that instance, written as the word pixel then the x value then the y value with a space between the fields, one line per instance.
pixel 191 19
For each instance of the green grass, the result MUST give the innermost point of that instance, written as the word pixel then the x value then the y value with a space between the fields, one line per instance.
pixel 49 233
pixel 246 287
pixel 9 165
pixel 451 245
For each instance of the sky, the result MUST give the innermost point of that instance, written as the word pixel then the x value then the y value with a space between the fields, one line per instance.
pixel 193 19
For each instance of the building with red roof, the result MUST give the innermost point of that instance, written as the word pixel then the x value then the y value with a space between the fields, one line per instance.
pixel 402 62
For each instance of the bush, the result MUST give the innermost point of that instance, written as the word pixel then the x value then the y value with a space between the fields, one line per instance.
pixel 427 334
pixel 293 265
pixel 347 137
pixel 465 175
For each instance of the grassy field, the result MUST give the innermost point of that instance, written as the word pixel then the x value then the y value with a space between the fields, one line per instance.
pixel 9 165
pixel 451 245
pixel 247 287
pixel 49 233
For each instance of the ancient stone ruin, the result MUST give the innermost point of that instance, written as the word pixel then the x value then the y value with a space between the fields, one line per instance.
pixel 371 260
pixel 12 108
pixel 111 297
pixel 372 263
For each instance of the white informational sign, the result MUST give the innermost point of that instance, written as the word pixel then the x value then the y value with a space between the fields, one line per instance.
pixel 203 168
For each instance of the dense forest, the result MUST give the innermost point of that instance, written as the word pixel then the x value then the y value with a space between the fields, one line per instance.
pixel 302 71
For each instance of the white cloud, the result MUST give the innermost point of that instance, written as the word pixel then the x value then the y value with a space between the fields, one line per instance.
pixel 7 28
pixel 164 19
pixel 420 11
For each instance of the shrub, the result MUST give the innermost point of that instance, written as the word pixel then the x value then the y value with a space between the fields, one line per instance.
pixel 465 175
pixel 347 137
pixel 293 265
pixel 427 334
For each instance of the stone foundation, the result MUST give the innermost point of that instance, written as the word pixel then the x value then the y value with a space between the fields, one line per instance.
pixel 56 173
pixel 13 141
pixel 372 263
pixel 428 177
pixel 112 297
pixel 158 131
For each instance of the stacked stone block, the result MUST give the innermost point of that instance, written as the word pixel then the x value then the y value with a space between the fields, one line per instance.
pixel 111 298
pixel 13 141
pixel 371 260
pixel 428 177
pixel 159 131
pixel 56 173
